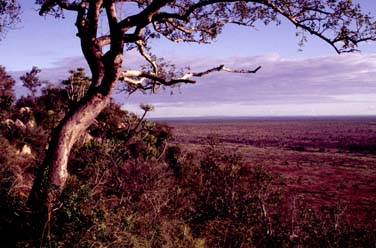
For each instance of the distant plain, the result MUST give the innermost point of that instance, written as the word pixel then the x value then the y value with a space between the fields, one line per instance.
pixel 322 161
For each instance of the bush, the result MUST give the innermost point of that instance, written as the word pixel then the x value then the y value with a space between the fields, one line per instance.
pixel 128 188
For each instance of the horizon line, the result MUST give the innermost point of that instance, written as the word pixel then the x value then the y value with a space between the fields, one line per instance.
pixel 212 117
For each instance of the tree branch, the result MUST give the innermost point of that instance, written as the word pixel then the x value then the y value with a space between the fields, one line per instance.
pixel 111 14
pixel 141 49
pixel 104 40
pixel 139 77
pixel 299 24
pixel 87 25
pixel 325 19
pixel 188 12
pixel 49 4
pixel 143 18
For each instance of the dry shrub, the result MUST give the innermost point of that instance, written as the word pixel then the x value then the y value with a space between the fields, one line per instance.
pixel 128 189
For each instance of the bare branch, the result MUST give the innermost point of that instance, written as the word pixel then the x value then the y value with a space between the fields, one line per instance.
pixel 188 12
pixel 111 14
pixel 139 77
pixel 143 18
pixel 141 48
pixel 180 27
pixel 127 38
pixel 93 18
pixel 241 71
pixel 299 24
pixel 104 40
pixel 87 25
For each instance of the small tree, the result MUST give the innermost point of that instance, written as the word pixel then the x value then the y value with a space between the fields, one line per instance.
pixel 7 95
pixel 340 23
pixel 76 85
pixel 31 80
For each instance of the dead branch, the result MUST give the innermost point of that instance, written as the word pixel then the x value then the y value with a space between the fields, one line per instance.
pixel 139 77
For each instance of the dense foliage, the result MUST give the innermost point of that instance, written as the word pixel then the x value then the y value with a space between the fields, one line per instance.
pixel 7 95
pixel 131 186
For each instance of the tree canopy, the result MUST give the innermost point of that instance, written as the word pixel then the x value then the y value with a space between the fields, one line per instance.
pixel 9 15
pixel 31 81
pixel 7 94
pixel 340 23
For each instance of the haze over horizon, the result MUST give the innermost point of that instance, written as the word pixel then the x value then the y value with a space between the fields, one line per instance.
pixel 312 82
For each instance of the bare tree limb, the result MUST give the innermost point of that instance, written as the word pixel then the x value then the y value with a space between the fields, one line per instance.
pixel 139 77
pixel 299 24
pixel 111 14
pixel 141 48
pixel 143 18
pixel 104 40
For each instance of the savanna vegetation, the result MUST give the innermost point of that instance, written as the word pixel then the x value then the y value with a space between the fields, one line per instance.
pixel 78 171
pixel 132 185
pixel 134 24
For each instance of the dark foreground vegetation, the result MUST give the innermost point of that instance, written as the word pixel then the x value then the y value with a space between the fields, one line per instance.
pixel 132 185
pixel 322 161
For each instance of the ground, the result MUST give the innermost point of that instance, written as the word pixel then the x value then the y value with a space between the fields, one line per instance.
pixel 322 161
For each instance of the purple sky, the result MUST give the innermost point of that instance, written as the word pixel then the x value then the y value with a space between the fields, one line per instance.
pixel 315 81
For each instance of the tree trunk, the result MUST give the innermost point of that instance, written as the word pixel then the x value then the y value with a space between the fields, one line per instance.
pixel 53 173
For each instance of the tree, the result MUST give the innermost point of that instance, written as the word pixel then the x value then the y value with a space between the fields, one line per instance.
pixel 31 80
pixel 9 15
pixel 7 95
pixel 76 85
pixel 340 23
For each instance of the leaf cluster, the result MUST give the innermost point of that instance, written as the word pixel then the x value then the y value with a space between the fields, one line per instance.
pixel 9 15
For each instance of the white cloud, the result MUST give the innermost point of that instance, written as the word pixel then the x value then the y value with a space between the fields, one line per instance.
pixel 279 82
pixel 241 109
pixel 357 98
pixel 340 84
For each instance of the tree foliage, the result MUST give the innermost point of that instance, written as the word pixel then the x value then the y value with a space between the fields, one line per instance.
pixel 76 85
pixel 31 81
pixel 9 15
pixel 7 95
pixel 340 23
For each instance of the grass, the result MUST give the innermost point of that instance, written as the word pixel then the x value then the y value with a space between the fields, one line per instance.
pixel 323 162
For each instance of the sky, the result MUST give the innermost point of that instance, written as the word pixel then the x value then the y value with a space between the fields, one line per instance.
pixel 313 82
